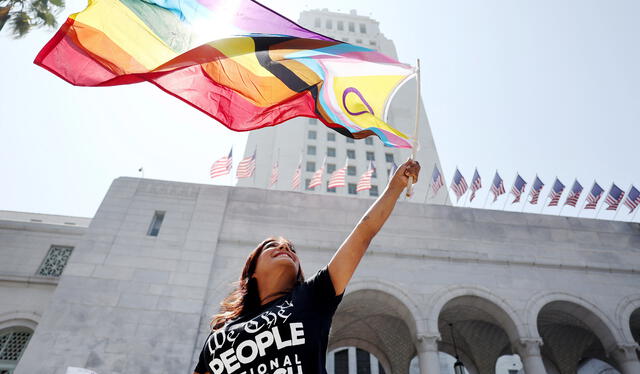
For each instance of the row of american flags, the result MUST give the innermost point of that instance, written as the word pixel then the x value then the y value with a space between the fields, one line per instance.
pixel 247 166
pixel 615 196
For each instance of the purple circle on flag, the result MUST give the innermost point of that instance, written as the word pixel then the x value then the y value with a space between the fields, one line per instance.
pixel 355 91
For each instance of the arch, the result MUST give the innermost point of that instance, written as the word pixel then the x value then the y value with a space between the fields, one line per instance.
pixel 364 345
pixel 20 318
pixel 624 310
pixel 415 322
pixel 598 321
pixel 510 321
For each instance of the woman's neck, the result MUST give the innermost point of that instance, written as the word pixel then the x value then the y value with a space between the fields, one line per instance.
pixel 272 288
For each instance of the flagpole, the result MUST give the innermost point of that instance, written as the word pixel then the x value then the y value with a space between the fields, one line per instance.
pixel 618 207
pixel 507 197
pixel 585 203
pixel 415 144
pixel 602 203
pixel 526 197
pixel 487 198
pixel 545 199
pixel 565 201
pixel 255 160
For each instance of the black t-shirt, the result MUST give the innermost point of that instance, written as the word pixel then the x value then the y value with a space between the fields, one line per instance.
pixel 288 335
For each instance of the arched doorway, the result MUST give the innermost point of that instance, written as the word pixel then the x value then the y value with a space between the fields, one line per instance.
pixel 13 342
pixel 482 331
pixel 378 323
pixel 572 334
pixel 634 325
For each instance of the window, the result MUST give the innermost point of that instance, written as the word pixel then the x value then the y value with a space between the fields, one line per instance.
pixel 341 361
pixel 331 136
pixel 346 40
pixel 313 121
pixel 373 191
pixel 312 134
pixel 156 222
pixel 306 183
pixel 55 261
pixel 13 342
pixel 352 189
pixel 311 166
pixel 351 170
pixel 328 24
pixel 368 140
pixel 331 168
pixel 388 157
pixel 311 150
pixel 351 154
pixel 358 41
pixel 363 28
pixel 317 22
pixel 352 27
pixel 350 140
pixel 372 42
pixel 340 25
pixel 331 152
pixel 330 189
pixel 371 156
pixel 375 173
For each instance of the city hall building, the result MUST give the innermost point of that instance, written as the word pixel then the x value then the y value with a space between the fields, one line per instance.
pixel 132 289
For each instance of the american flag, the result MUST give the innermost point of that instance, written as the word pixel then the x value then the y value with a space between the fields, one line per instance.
pixel 535 191
pixel 594 196
pixel 338 178
pixel 297 177
pixel 365 180
pixel 458 184
pixel 275 173
pixel 246 167
pixel 556 192
pixel 614 197
pixel 222 166
pixel 316 180
pixel 574 194
pixel 476 184
pixel 497 187
pixel 633 199
pixel 518 188
pixel 436 180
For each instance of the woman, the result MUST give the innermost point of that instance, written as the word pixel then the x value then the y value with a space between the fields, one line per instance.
pixel 275 321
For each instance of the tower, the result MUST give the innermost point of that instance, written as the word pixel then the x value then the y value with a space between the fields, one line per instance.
pixel 308 141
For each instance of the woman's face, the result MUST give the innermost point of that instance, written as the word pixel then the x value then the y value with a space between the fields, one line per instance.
pixel 277 257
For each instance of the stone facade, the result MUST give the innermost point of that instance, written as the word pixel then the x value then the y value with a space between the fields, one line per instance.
pixel 554 290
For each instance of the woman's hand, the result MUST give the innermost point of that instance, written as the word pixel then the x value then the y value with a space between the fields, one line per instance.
pixel 400 179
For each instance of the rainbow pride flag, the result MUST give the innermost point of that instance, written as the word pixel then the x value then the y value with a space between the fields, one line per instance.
pixel 235 60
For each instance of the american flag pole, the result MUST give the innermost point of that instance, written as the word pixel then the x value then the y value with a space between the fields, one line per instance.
pixel 488 192
pixel 255 153
pixel 547 198
pixel 524 203
pixel 583 205
pixel 565 199
pixel 506 198
pixel 414 146
pixel 602 202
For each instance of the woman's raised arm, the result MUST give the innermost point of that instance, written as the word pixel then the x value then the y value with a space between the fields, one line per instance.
pixel 347 257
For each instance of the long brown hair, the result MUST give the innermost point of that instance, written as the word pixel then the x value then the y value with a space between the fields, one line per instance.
pixel 245 298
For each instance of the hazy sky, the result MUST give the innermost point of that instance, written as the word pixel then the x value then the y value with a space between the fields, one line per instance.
pixel 546 87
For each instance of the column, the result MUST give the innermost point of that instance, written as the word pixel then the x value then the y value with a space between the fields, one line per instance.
pixel 529 351
pixel 428 354
pixel 625 356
